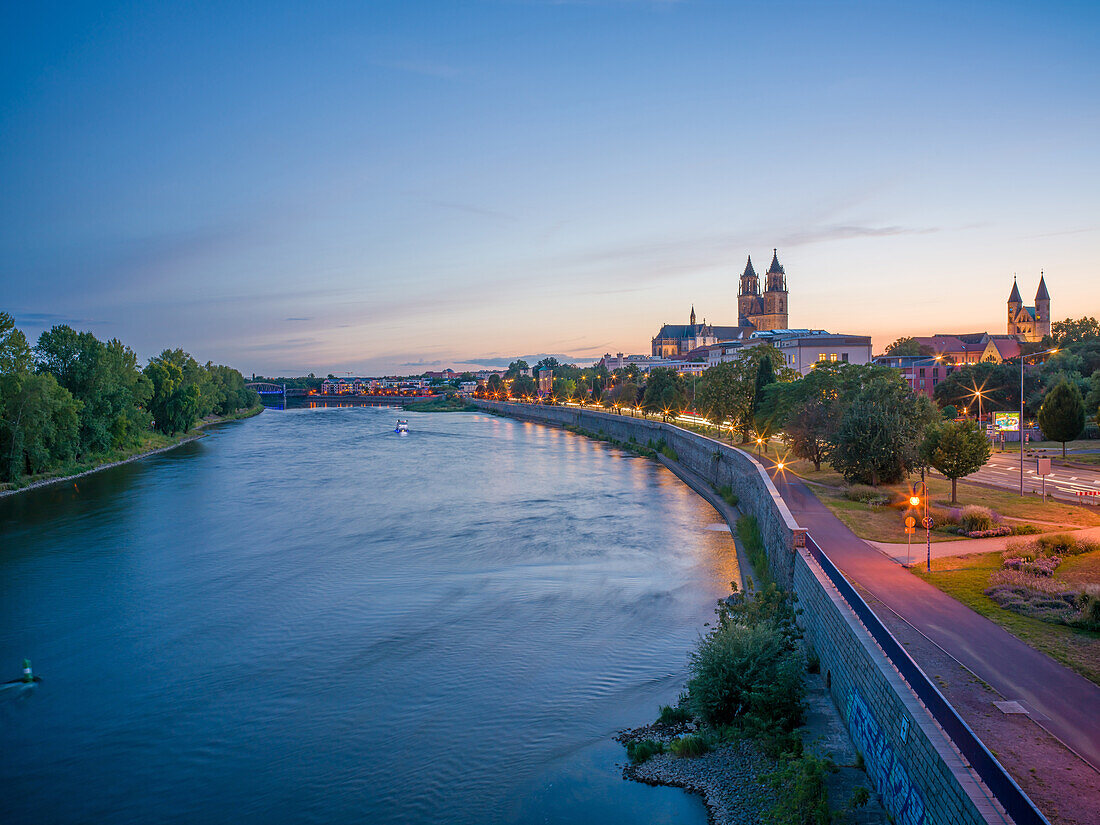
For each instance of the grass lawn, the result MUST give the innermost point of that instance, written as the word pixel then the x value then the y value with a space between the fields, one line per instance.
pixel 886 523
pixel 966 577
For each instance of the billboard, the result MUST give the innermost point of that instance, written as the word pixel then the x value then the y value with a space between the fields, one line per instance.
pixel 1007 422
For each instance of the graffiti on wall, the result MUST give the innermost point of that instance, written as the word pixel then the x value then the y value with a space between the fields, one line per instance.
pixel 900 796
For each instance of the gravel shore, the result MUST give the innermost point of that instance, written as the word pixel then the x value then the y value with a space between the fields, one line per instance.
pixel 730 778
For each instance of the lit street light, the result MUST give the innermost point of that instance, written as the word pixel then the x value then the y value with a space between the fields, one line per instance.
pixel 1020 426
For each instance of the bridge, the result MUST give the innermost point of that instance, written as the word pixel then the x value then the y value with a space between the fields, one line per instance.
pixel 267 390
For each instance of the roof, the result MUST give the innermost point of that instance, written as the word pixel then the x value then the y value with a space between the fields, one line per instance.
pixel 775 268
pixel 1041 294
pixel 1006 347
pixel 1014 296
pixel 749 271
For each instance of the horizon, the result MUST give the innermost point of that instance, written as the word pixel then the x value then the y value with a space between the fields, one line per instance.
pixel 396 189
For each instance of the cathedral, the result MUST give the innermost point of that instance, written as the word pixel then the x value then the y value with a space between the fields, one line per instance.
pixel 767 311
pixel 1030 323
pixel 756 312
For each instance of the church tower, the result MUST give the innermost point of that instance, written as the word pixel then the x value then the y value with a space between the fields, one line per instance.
pixel 1015 304
pixel 693 315
pixel 749 305
pixel 1042 309
pixel 775 297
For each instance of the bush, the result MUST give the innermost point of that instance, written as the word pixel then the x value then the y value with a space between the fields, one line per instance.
pixel 866 495
pixel 730 497
pixel 639 752
pixel 675 714
pixel 688 746
pixel 670 453
pixel 987 534
pixel 1026 530
pixel 1063 544
pixel 748 530
pixel 801 798
pixel 974 518
pixel 747 675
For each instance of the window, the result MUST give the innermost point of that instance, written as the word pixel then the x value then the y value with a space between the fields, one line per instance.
pixel 922 382
pixel 844 357
pixel 922 375
pixel 832 356
pixel 821 356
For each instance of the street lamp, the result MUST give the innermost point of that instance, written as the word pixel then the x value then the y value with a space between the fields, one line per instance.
pixel 926 522
pixel 979 394
pixel 1020 429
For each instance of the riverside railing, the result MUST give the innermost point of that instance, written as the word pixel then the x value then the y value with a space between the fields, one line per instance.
pixel 1016 803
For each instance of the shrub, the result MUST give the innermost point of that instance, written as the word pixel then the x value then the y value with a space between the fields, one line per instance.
pixel 974 518
pixel 1063 544
pixel 639 752
pixel 730 497
pixel 670 453
pixel 747 674
pixel 866 495
pixel 1026 529
pixel 987 534
pixel 801 798
pixel 748 530
pixel 1090 611
pixel 674 714
pixel 688 746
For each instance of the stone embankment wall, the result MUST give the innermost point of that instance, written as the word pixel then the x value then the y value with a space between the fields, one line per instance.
pixel 920 776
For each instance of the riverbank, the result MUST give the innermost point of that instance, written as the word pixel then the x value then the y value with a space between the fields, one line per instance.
pixel 440 405
pixel 151 444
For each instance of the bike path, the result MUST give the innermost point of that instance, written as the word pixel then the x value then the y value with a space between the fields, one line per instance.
pixel 1064 702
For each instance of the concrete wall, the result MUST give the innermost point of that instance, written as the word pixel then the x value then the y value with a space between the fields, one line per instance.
pixel 919 774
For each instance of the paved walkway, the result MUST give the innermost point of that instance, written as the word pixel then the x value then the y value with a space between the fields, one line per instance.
pixel 1068 700
pixel 918 553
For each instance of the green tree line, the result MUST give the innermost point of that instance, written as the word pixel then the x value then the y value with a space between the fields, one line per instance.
pixel 72 396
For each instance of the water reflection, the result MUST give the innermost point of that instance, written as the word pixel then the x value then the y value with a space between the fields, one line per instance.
pixel 304 619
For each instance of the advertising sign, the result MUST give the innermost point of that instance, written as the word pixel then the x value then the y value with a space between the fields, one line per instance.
pixel 1007 421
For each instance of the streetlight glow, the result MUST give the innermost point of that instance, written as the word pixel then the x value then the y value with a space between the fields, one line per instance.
pixel 914 501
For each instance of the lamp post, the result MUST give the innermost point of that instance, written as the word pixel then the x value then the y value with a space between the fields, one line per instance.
pixel 1020 429
pixel 914 501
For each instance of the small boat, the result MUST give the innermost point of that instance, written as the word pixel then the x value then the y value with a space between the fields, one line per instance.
pixel 402 427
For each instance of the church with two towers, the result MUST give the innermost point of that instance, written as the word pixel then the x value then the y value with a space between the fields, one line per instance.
pixel 757 311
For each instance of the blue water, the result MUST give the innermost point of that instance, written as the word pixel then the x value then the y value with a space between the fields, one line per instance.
pixel 306 618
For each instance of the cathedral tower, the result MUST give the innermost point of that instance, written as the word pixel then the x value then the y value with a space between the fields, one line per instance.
pixel 1042 309
pixel 775 297
pixel 749 305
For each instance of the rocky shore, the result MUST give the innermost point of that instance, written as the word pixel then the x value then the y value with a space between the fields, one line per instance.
pixel 731 779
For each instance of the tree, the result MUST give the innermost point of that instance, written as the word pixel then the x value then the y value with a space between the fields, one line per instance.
pixel 878 438
pixel 956 449
pixel 949 412
pixel 664 391
pixel 765 377
pixel 39 424
pixel 105 378
pixel 516 368
pixel 495 384
pixel 522 386
pixel 229 390
pixel 624 395
pixel 582 390
pixel 1062 416
pixel 811 430
pixel 1072 331
pixel 563 389
pixel 904 346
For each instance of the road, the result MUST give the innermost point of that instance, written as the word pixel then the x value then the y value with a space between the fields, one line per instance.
pixel 1017 671
pixel 1003 470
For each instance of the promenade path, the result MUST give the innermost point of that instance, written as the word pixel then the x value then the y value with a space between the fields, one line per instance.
pixel 1062 701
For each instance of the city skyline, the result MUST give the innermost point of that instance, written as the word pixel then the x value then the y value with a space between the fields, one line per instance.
pixel 393 189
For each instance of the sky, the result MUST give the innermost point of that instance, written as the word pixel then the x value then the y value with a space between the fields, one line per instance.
pixel 390 187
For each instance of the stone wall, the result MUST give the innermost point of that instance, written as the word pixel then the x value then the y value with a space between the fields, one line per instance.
pixel 919 774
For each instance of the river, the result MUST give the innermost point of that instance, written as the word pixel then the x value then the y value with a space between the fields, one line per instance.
pixel 305 618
